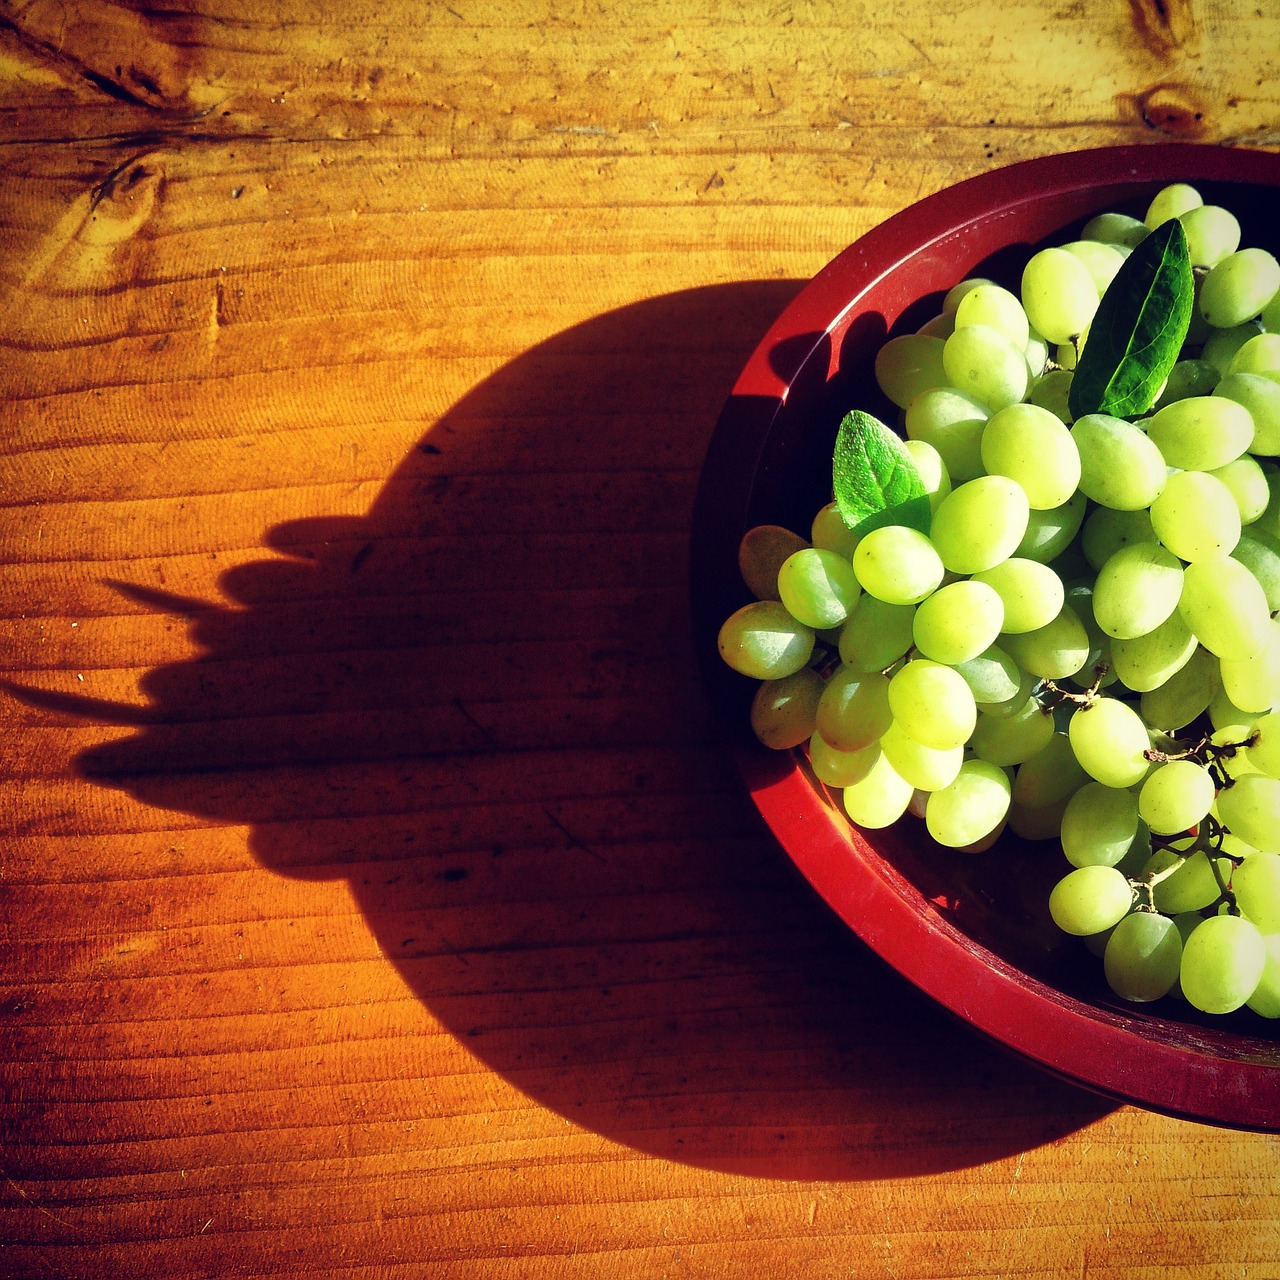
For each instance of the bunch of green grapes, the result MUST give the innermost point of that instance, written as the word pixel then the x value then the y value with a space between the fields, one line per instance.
pixel 1084 646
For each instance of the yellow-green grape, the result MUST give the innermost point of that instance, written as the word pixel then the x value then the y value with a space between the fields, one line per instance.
pixel 784 711
pixel 1253 684
pixel 1259 394
pixel 1260 354
pixel 1106 530
pixel 1264 751
pixel 943 325
pixel 995 681
pixel 1050 391
pixel 1256 885
pixel 1219 346
pixel 1146 662
pixel 952 423
pixel 970 807
pixel 1050 533
pixel 1102 261
pixel 983 363
pixel 1009 740
pixel 1196 516
pixel 994 306
pixel 1262 559
pixel 1058 294
pixel 1051 776
pixel 1185 883
pixel 880 798
pixel 840 768
pixel 931 469
pixel 1115 228
pixel 1238 287
pixel 957 292
pixel 932 703
pixel 1222 963
pixel 1200 433
pixel 1120 467
pixel 1143 956
pixel 926 768
pixel 1054 651
pixel 1175 797
pixel 958 621
pixel 908 365
pixel 1170 202
pixel 1223 713
pixel 897 564
pixel 762 640
pixel 1225 607
pixel 1247 483
pixel 980 523
pixel 1029 445
pixel 1233 763
pixel 818 587
pixel 854 709
pixel 1031 592
pixel 1097 665
pixel 829 532
pixel 1110 742
pixel 1184 695
pixel 761 554
pixel 1265 1000
pixel 1037 354
pixel 1137 589
pixel 1099 825
pixel 1189 377
pixel 1212 233
pixel 1090 899
pixel 1250 808
pixel 876 634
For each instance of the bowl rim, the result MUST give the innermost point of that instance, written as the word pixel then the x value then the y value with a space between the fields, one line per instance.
pixel 1176 1068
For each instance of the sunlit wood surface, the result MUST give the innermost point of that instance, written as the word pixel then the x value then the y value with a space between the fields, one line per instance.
pixel 376 900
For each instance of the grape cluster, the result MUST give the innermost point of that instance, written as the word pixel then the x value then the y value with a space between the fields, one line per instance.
pixel 1083 647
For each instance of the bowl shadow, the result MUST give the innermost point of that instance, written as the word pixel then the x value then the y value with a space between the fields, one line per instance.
pixel 481 707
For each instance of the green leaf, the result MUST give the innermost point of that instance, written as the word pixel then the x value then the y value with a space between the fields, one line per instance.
pixel 1138 329
pixel 874 477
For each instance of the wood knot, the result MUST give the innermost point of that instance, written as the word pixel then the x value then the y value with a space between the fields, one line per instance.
pixel 1171 109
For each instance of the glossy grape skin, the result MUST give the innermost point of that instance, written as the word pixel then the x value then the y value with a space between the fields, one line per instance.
pixel 1143 956
pixel 1099 825
pixel 1222 963
pixel 1109 740
pixel 897 564
pixel 784 711
pixel 1136 590
pixel 1175 797
pixel 933 704
pixel 1120 466
pixel 970 807
pixel 1089 900
pixel 764 641
pixel 980 523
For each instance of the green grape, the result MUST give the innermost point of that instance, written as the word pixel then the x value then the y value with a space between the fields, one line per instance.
pixel 1247 483
pixel 1110 742
pixel 1143 956
pixel 854 709
pixel 1184 695
pixel 880 798
pixel 1097 665
pixel 1137 589
pixel 984 364
pixel 1212 233
pixel 1200 433
pixel 907 365
pixel 980 523
pixel 1190 883
pixel 1256 885
pixel 1223 713
pixel 932 703
pixel 1009 740
pixel 1196 516
pixel 1050 777
pixel 1146 662
pixel 763 641
pixel 970 807
pixel 1253 684
pixel 994 306
pixel 1115 228
pixel 1032 593
pixel 1120 467
pixel 1238 287
pixel 897 564
pixel 1058 294
pixel 1189 378
pixel 1171 202
pixel 926 768
pixel 818 587
pixel 943 325
pixel 830 532
pixel 931 469
pixel 876 634
pixel 1225 607
pixel 1090 899
pixel 1262 559
pixel 994 679
pixel 1265 1000
pixel 952 423
pixel 1260 354
pixel 1264 752
pixel 1175 797
pixel 1105 531
pixel 1260 396
pixel 784 711
pixel 839 768
pixel 1219 346
pixel 1054 651
pixel 1250 808
pixel 761 554
pixel 1050 533
pixel 1222 963
pixel 1102 261
pixel 1029 445
pixel 958 622
pixel 1099 825
pixel 1269 319
pixel 1233 760
pixel 1050 391
pixel 1036 823
pixel 957 292
pixel 1037 354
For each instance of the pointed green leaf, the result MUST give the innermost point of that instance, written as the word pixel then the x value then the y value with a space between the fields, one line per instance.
pixel 1138 329
pixel 874 477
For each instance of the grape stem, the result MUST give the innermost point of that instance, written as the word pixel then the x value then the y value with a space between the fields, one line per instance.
pixel 1085 698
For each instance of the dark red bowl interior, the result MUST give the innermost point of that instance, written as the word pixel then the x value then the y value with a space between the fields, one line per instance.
pixel 971 930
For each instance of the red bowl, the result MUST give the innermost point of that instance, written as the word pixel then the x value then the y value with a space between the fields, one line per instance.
pixel 972 931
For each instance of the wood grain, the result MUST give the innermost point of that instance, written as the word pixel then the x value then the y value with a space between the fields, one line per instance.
pixel 376 900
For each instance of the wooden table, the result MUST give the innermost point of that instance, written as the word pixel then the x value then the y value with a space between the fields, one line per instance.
pixel 376 899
